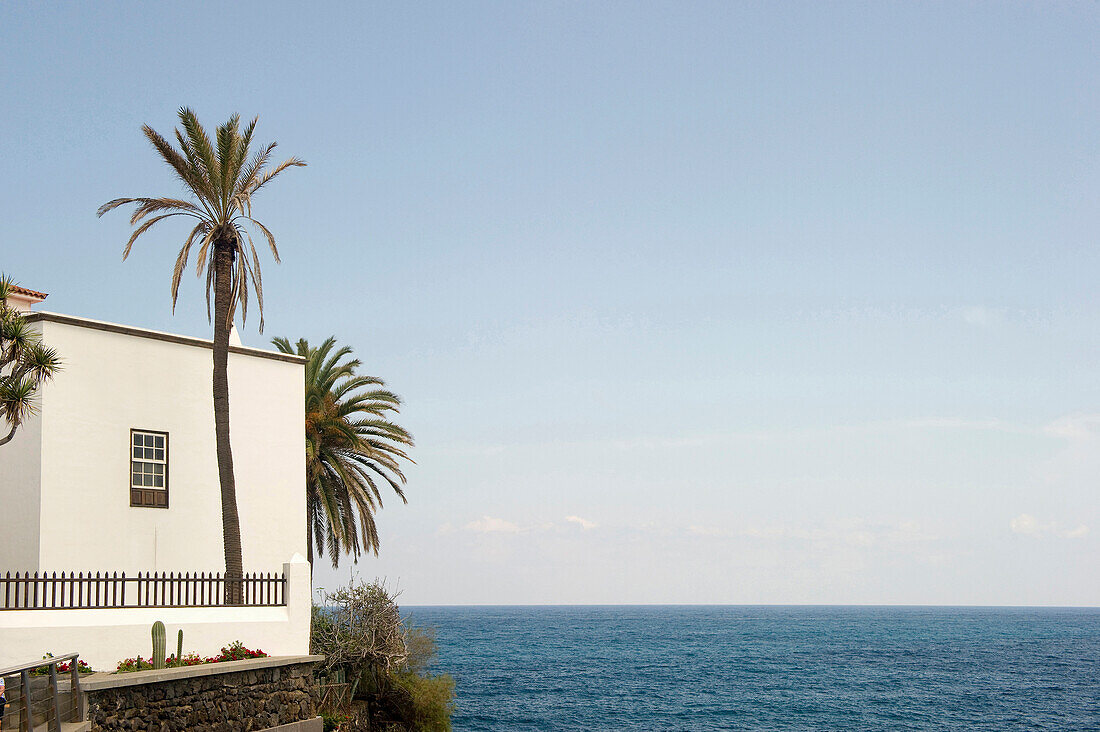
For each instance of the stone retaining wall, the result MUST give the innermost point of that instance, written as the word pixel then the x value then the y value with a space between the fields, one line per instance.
pixel 222 697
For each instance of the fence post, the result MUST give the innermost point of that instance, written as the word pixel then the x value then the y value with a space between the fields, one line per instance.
pixel 25 699
pixel 298 600
pixel 55 723
pixel 74 689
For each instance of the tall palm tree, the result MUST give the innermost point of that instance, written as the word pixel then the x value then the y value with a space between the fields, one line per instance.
pixel 220 178
pixel 351 448
pixel 25 364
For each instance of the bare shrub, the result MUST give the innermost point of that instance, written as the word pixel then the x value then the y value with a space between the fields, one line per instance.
pixel 360 628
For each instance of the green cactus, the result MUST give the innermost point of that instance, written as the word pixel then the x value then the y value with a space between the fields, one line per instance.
pixel 158 644
pixel 179 646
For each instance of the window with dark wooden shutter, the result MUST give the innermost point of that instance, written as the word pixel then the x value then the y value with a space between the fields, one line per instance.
pixel 148 469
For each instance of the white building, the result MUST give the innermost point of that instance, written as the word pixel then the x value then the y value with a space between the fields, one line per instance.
pixel 117 473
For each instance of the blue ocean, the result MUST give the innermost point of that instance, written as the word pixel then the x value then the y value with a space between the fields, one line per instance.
pixel 769 667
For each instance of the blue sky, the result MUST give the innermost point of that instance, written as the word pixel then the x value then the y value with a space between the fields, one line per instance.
pixel 689 302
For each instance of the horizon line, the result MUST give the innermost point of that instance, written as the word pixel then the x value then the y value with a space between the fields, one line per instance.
pixel 791 605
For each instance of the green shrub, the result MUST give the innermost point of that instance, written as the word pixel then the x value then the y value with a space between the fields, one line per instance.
pixel 432 700
pixel 420 644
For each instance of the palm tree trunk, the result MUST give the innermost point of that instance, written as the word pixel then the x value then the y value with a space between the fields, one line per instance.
pixel 231 525
pixel 309 534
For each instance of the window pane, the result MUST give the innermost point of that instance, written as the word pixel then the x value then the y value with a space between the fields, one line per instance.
pixel 148 453
pixel 135 479
pixel 158 481
pixel 148 481
pixel 158 454
pixel 137 439
pixel 138 452
pixel 158 469
pixel 159 442
pixel 135 466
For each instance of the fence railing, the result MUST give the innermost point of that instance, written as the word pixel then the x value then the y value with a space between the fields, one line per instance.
pixel 73 591
pixel 36 704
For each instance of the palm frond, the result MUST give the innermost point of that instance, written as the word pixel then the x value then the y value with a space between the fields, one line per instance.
pixel 181 260
pixel 270 175
pixel 268 235
pixel 227 139
pixel 145 227
pixel 199 143
pixel 152 205
pixel 188 169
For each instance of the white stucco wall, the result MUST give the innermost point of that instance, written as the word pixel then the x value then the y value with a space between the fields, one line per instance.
pixel 20 470
pixel 115 381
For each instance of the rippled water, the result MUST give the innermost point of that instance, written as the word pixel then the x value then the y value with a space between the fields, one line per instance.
pixel 769 668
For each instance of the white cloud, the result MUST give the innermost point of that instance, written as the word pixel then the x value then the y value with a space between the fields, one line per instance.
pixel 584 523
pixel 497 525
pixel 706 531
pixel 983 316
pixel 492 525
pixel 1028 525
pixel 1074 426
pixel 854 531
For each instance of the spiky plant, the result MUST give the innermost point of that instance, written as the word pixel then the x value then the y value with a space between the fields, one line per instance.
pixel 220 178
pixel 25 365
pixel 351 449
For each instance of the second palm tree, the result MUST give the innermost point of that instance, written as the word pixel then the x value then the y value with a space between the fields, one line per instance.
pixel 351 448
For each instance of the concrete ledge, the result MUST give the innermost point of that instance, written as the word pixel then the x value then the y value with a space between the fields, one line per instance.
pixel 96 682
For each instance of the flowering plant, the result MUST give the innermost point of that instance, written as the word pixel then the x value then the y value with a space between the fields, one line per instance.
pixel 137 663
pixel 62 668
pixel 235 651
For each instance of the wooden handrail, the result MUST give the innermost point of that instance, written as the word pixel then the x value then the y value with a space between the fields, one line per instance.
pixel 32 665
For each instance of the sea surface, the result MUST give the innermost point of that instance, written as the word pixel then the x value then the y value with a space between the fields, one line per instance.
pixel 769 667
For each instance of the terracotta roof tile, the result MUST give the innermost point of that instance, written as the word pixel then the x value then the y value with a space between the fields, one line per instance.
pixel 29 293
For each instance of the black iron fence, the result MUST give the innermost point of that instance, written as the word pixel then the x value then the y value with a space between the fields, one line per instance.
pixel 79 590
